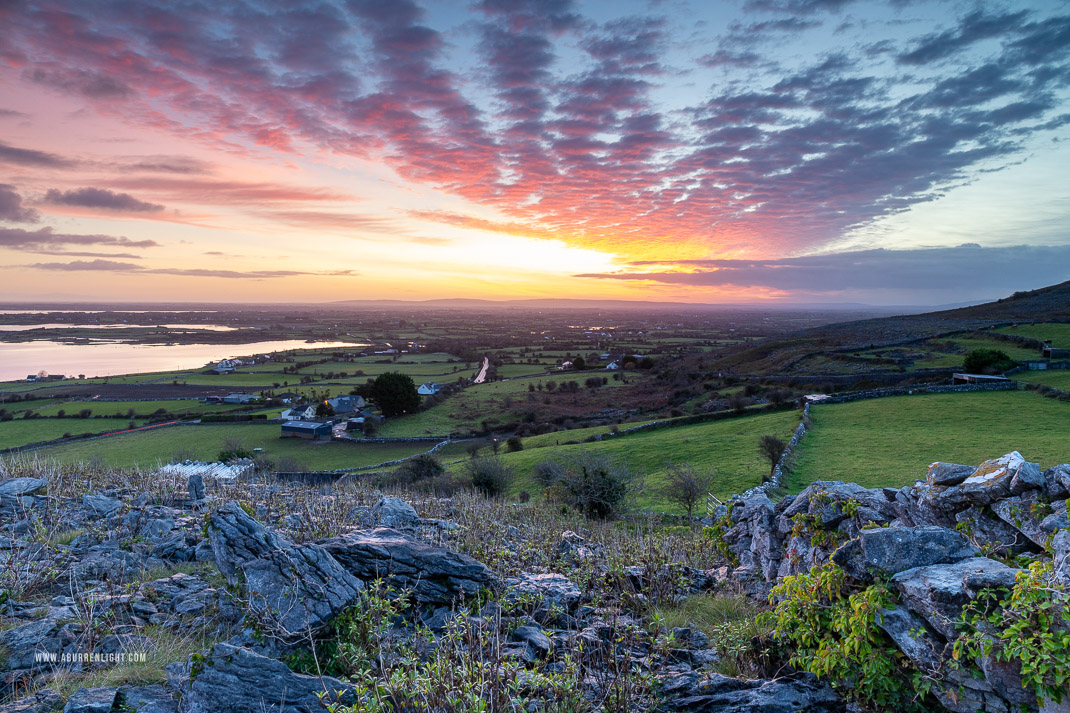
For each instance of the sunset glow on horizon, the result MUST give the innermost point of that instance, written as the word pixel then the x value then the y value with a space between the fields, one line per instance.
pixel 783 150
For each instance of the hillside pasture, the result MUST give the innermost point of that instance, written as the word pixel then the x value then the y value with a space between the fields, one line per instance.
pixel 890 442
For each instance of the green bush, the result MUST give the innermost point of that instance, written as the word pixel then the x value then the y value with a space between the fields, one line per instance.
pixel 1029 625
pixel 489 474
pixel 987 361
pixel 832 630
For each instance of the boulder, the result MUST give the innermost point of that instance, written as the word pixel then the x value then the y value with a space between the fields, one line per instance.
pixel 101 505
pixel 993 532
pixel 22 487
pixel 1057 482
pixel 946 474
pixel 538 643
pixel 146 699
pixel 435 575
pixel 91 700
pixel 1025 514
pixel 550 589
pixel 233 679
pixel 395 512
pixel 887 551
pixel 298 588
pixel 993 480
pixel 195 488
pixel 939 592
pixel 1060 548
pixel 802 693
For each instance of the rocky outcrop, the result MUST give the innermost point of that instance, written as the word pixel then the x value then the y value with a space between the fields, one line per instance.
pixel 721 694
pixel 929 542
pixel 433 574
pixel 232 679
pixel 298 589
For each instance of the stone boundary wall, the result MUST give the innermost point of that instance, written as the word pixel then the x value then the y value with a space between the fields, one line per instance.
pixel 74 438
pixel 777 479
pixel 916 389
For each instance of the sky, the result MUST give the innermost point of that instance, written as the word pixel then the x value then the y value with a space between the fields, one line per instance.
pixel 896 153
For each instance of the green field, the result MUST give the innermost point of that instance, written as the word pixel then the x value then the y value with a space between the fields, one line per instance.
pixel 147 448
pixel 1014 351
pixel 107 408
pixel 890 442
pixel 20 432
pixel 1057 333
pixel 729 447
pixel 1057 378
pixel 464 411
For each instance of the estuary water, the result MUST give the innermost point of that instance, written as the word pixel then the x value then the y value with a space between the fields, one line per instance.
pixel 19 359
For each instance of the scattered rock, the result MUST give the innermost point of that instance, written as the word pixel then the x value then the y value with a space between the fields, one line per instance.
pixel 236 680
pixel 91 700
pixel 434 574
pixel 721 694
pixel 195 487
pixel 22 487
pixel 43 701
pixel 101 505
pixel 395 512
pixel 299 588
pixel 550 589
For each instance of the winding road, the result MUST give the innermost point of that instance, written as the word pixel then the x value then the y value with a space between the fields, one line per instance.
pixel 482 376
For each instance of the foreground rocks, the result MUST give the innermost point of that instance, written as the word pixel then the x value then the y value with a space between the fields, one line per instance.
pixel 935 542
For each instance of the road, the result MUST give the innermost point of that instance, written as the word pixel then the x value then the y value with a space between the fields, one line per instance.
pixel 482 376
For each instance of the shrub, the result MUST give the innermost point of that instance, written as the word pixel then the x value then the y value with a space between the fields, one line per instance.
pixel 514 444
pixel 987 361
pixel 233 449
pixel 685 486
pixel 832 628
pixel 419 467
pixel 1030 625
pixel 489 474
pixel 595 485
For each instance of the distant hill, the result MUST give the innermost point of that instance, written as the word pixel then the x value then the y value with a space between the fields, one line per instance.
pixel 545 303
pixel 1047 304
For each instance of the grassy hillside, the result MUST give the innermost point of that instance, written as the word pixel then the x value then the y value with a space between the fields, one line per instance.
pixel 1058 334
pixel 888 442
pixel 729 447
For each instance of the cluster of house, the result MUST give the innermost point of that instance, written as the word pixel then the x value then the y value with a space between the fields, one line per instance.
pixel 45 377
pixel 228 366
pixel 615 361
pixel 301 421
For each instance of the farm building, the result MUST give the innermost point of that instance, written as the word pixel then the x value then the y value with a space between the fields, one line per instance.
pixel 305 429
pixel 977 379
pixel 1053 353
pixel 238 398
pixel 429 389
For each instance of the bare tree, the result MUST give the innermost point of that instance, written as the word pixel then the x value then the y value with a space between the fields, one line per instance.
pixel 685 486
pixel 771 449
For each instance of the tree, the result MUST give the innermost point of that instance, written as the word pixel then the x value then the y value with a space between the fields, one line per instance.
pixel 771 449
pixel 324 409
pixel 395 394
pixel 579 364
pixel 987 361
pixel 686 486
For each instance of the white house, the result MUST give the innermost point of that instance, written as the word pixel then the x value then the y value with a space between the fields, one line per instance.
pixel 299 413
pixel 429 389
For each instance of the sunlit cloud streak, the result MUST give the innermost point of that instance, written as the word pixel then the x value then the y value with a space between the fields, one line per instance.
pixel 554 119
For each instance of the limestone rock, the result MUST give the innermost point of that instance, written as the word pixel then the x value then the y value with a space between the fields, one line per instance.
pixel 297 587
pixel 721 694
pixel 938 593
pixel 434 574
pixel 395 512
pixel 888 551
pixel 236 680
pixel 551 589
